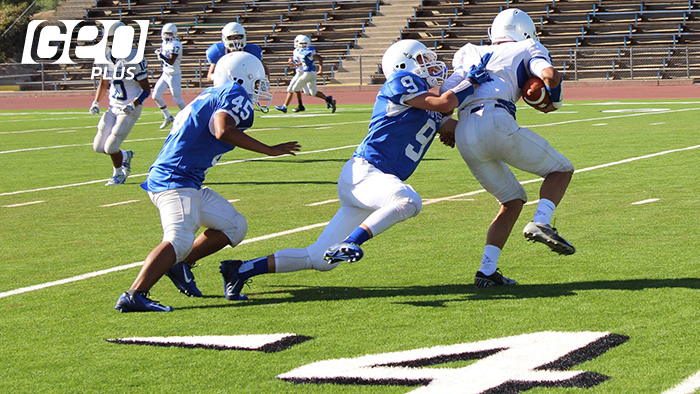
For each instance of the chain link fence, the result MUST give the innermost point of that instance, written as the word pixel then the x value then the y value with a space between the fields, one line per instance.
pixel 574 64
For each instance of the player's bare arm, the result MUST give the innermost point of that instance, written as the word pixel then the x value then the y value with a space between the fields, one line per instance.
pixel 552 79
pixel 319 59
pixel 146 91
pixel 225 130
pixel 210 74
pixel 444 103
pixel 171 60
pixel 101 89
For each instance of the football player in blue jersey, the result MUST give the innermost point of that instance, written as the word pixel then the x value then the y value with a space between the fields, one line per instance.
pixel 303 59
pixel 233 39
pixel 211 125
pixel 371 188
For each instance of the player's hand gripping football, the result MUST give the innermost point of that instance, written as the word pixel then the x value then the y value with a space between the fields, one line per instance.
pixel 286 148
pixel 95 108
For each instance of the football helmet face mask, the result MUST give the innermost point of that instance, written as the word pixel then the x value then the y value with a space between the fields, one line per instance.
pixel 246 70
pixel 168 32
pixel 512 25
pixel 416 58
pixel 233 36
pixel 301 42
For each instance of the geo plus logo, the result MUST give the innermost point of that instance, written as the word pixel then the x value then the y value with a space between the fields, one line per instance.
pixel 51 40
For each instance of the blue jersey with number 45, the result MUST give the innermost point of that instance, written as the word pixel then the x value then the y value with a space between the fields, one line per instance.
pixel 399 135
pixel 191 148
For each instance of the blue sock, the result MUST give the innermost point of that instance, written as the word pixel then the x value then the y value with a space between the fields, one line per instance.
pixel 253 267
pixel 359 236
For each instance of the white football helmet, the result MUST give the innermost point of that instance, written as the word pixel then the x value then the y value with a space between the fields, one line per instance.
pixel 416 58
pixel 301 41
pixel 110 33
pixel 246 70
pixel 233 36
pixel 168 32
pixel 512 25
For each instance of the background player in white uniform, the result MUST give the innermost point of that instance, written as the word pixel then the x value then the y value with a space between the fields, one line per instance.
pixel 371 188
pixel 233 39
pixel 169 53
pixel 303 58
pixel 489 138
pixel 211 125
pixel 127 91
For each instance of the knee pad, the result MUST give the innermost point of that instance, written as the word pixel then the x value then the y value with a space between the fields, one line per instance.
pixel 408 203
pixel 316 253
pixel 236 230
pixel 181 242
pixel 112 145
pixel 179 102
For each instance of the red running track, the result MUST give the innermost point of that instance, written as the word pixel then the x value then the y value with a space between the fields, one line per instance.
pixel 345 95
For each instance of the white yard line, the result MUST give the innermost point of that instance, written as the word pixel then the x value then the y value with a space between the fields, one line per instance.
pixel 22 204
pixel 73 145
pixel 67 128
pixel 599 124
pixel 145 174
pixel 533 202
pixel 234 200
pixel 647 201
pixel 688 386
pixel 118 203
pixel 314 204
pixel 657 124
pixel 612 117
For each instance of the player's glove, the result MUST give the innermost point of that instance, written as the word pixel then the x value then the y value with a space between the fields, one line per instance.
pixel 157 52
pixel 478 74
pixel 95 108
pixel 129 109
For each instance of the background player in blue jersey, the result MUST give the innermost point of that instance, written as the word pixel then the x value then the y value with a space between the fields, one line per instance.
pixel 371 188
pixel 233 39
pixel 304 58
pixel 211 125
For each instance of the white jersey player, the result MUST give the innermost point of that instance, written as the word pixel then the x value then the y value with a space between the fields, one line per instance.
pixel 489 139
pixel 169 54
pixel 128 88
pixel 303 59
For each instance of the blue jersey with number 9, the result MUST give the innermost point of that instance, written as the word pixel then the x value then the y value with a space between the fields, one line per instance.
pixel 399 135
pixel 191 148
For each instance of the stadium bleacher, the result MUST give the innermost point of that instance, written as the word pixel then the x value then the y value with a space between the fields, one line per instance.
pixel 599 39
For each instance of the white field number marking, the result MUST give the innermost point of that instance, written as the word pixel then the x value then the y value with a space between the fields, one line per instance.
pixel 529 359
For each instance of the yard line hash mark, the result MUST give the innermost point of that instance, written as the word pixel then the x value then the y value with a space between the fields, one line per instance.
pixel 22 204
pixel 118 203
pixel 314 204
pixel 647 201
pixel 317 225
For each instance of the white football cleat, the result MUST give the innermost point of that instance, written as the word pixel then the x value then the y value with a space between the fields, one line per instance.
pixel 166 122
pixel 546 234
pixel 118 179
pixel 126 162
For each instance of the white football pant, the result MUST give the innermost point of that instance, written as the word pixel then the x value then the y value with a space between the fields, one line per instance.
pixel 489 140
pixel 172 81
pixel 367 195
pixel 113 128
pixel 183 211
pixel 305 81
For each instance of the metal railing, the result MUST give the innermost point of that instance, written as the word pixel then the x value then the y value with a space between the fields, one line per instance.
pixel 575 64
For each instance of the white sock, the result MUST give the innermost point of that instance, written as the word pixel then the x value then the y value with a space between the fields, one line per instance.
pixel 544 211
pixel 291 260
pixel 118 171
pixel 166 113
pixel 489 260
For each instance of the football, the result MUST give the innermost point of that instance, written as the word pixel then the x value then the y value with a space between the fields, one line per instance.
pixel 535 94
